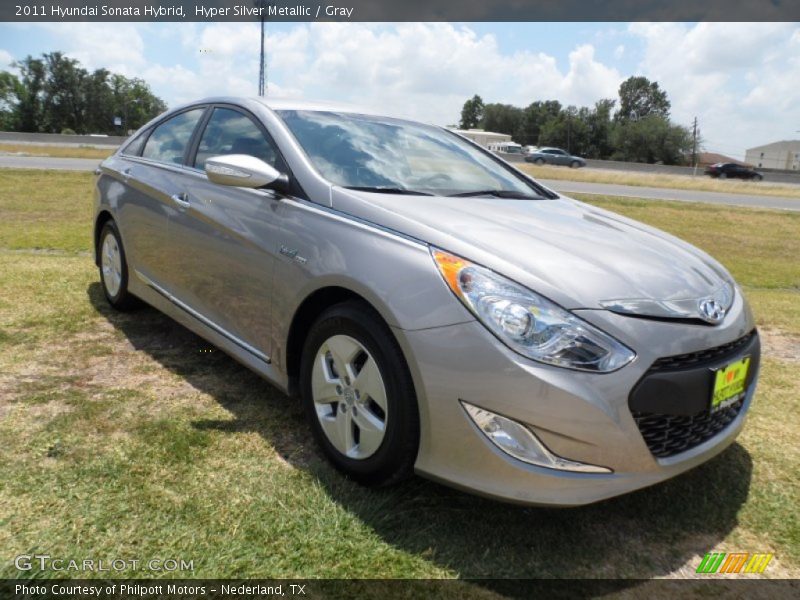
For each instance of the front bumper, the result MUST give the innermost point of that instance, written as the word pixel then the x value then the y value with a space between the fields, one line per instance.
pixel 579 416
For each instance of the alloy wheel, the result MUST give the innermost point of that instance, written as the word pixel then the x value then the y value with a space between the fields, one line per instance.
pixel 349 397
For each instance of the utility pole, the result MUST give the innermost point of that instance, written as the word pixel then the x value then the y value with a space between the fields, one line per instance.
pixel 262 68
pixel 694 145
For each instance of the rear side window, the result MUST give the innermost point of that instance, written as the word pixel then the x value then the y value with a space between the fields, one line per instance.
pixel 231 132
pixel 134 147
pixel 169 140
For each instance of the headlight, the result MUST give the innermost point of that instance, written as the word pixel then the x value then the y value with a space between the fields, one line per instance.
pixel 528 323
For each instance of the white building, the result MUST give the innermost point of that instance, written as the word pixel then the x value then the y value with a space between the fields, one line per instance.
pixel 484 138
pixel 777 155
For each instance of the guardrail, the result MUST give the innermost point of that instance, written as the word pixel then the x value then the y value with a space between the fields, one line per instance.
pixel 769 175
pixel 61 139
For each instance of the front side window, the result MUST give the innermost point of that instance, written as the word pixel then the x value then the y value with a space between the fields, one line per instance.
pixel 353 150
pixel 231 132
pixel 169 140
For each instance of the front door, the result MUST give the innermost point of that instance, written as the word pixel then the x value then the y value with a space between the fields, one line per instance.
pixel 223 237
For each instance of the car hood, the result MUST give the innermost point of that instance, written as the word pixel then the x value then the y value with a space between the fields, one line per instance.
pixel 578 255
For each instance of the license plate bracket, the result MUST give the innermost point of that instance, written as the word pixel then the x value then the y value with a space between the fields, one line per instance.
pixel 729 384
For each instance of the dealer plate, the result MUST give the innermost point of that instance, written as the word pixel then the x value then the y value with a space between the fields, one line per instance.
pixel 729 384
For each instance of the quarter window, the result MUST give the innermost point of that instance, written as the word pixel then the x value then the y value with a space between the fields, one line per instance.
pixel 231 132
pixel 169 140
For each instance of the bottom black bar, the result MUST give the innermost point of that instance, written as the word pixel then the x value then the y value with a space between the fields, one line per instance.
pixel 334 589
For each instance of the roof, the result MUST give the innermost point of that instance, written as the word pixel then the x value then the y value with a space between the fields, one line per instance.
pixel 790 145
pixel 712 158
pixel 292 104
pixel 480 132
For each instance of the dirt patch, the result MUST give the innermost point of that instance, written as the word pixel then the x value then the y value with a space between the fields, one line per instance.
pixel 780 345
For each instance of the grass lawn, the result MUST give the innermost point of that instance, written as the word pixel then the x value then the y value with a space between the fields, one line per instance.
pixel 662 180
pixel 74 151
pixel 126 436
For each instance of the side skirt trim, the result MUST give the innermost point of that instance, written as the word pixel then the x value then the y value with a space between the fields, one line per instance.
pixel 207 322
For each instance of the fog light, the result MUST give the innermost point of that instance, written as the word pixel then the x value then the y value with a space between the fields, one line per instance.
pixel 518 441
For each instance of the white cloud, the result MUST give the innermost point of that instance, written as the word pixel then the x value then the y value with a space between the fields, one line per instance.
pixel 6 58
pixel 118 47
pixel 423 70
pixel 739 79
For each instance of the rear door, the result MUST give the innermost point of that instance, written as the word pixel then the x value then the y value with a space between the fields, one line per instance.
pixel 151 179
pixel 223 237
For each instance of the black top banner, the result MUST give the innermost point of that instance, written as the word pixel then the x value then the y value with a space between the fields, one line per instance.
pixel 400 10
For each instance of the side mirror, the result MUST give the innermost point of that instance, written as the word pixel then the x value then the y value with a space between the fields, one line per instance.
pixel 243 170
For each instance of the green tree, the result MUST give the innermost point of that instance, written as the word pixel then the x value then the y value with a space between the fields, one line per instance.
pixel 639 98
pixel 64 102
pixel 534 117
pixel 57 94
pixel 30 107
pixel 599 124
pixel 472 113
pixel 569 130
pixel 501 118
pixel 10 90
pixel 651 139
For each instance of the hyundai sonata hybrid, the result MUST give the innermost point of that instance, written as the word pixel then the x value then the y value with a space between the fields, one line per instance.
pixel 434 309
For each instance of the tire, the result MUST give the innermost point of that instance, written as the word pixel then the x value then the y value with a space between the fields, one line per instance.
pixel 370 429
pixel 574 164
pixel 539 161
pixel 113 268
pixel 758 178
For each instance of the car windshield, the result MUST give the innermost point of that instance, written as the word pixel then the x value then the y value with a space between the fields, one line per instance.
pixel 385 154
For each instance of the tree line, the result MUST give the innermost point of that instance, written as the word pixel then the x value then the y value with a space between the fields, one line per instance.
pixel 639 130
pixel 55 94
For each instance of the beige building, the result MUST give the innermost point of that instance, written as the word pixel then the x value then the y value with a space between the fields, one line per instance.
pixel 484 138
pixel 778 155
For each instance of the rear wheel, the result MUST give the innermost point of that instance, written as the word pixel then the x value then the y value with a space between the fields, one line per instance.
pixel 358 395
pixel 114 268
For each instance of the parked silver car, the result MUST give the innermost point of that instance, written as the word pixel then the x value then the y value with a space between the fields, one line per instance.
pixel 435 309
pixel 555 156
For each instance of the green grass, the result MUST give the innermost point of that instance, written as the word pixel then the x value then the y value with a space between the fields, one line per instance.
pixel 121 436
pixel 699 182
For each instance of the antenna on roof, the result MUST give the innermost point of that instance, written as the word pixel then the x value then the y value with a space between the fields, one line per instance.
pixel 262 67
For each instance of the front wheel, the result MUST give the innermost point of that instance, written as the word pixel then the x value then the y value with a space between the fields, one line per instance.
pixel 574 164
pixel 539 161
pixel 358 395
pixel 758 178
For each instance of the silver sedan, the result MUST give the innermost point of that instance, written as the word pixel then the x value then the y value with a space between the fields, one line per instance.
pixel 434 309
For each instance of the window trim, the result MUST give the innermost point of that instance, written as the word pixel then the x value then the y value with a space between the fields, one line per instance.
pixel 145 135
pixel 195 146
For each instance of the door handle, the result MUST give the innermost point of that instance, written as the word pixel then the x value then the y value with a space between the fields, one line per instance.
pixel 181 199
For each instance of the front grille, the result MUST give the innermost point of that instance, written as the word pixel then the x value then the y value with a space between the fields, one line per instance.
pixel 667 435
pixel 670 434
pixel 693 359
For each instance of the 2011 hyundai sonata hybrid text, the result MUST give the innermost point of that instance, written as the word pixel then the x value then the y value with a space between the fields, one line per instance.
pixel 435 309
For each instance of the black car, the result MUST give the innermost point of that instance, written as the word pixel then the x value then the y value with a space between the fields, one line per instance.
pixel 730 170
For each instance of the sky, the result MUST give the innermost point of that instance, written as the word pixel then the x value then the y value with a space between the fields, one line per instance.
pixel 741 80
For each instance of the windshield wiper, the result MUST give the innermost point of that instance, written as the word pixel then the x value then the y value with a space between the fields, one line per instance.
pixel 387 190
pixel 497 194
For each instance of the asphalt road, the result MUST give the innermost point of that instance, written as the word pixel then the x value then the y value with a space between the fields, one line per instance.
pixel 564 187
pixel 652 193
